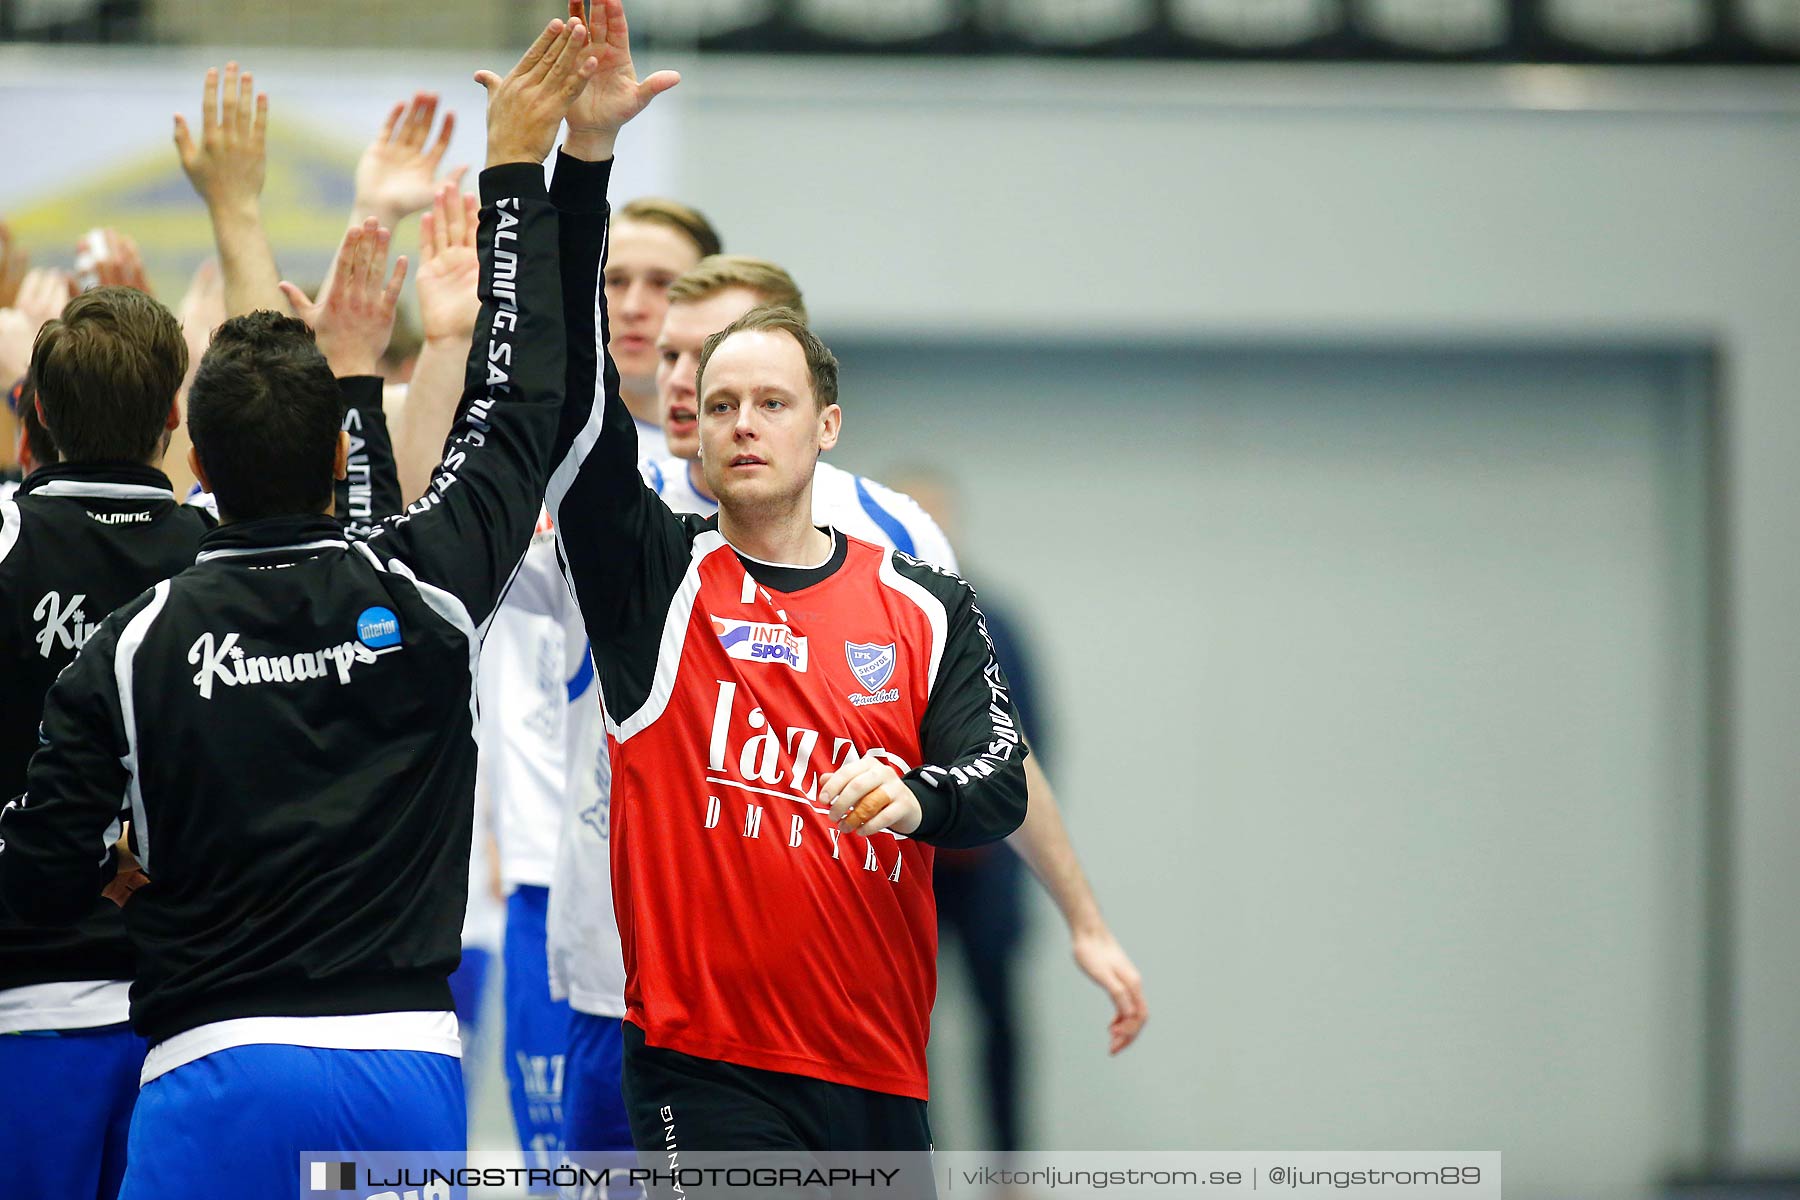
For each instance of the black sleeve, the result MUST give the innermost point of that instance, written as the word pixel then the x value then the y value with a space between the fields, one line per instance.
pixel 469 530
pixel 622 548
pixel 972 784
pixel 56 840
pixel 371 489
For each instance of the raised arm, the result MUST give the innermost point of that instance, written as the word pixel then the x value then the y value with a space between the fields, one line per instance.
pixel 352 319
pixel 397 174
pixel 468 532
pixel 449 306
pixel 226 167
pixel 604 513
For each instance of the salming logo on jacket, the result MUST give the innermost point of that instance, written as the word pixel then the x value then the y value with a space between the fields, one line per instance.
pixel 290 721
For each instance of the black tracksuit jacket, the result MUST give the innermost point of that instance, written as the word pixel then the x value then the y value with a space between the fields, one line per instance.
pixel 288 724
pixel 76 542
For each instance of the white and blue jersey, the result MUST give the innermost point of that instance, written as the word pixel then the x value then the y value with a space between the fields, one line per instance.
pixel 652 444
pixel 855 504
pixel 541 735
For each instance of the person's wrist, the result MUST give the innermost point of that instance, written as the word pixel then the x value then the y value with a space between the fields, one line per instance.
pixel 346 362
pixel 449 341
pixel 590 144
pixel 1088 926
pixel 386 214
pixel 506 155
pixel 227 207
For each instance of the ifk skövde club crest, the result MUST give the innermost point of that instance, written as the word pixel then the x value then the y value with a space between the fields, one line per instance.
pixel 873 665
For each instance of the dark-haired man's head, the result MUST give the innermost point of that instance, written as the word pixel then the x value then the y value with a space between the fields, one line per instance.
pixel 107 371
pixel 266 418
pixel 36 447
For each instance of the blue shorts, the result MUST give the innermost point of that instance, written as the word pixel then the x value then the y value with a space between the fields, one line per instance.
pixel 65 1108
pixel 468 990
pixel 237 1121
pixel 537 1030
pixel 593 1108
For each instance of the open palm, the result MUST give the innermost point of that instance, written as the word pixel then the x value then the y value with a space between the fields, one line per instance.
pixel 615 94
pixel 398 174
pixel 450 270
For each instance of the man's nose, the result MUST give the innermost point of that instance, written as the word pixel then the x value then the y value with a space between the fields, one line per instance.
pixel 637 296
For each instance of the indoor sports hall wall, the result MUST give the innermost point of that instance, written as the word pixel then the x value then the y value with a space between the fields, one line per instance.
pixel 1397 467
pixel 1262 207
pixel 1379 682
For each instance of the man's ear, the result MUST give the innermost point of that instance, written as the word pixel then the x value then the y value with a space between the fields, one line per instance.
pixel 828 429
pixel 173 422
pixel 198 468
pixel 340 465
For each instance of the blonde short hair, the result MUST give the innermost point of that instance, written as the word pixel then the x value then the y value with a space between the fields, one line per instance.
pixel 774 287
pixel 688 222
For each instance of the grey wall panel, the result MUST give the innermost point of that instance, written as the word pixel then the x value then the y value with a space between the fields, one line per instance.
pixel 1381 683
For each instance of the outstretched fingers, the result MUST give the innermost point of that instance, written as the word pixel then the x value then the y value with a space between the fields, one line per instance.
pixel 246 105
pixel 609 16
pixel 393 121
pixel 228 100
pixel 390 296
pixel 542 52
pixel 184 140
pixel 571 55
pixel 656 84
pixel 419 120
pixel 442 145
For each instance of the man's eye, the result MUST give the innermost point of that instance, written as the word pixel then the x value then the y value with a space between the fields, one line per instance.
pixel 669 356
pixel 776 404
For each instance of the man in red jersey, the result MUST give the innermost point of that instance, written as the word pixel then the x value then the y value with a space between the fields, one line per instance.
pixel 795 719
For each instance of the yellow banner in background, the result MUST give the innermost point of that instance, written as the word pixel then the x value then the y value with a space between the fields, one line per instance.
pixel 307 197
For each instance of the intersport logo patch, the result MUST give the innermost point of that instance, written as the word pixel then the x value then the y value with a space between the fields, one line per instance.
pixel 754 641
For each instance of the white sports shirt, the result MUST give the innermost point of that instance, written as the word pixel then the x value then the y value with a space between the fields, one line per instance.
pixel 587 966
pixel 537 741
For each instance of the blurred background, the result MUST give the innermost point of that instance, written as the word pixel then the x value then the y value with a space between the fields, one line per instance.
pixel 1380 415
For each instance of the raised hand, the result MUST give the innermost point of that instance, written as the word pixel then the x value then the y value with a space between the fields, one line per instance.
pixel 449 277
pixel 17 334
pixel 121 265
pixel 44 294
pixel 397 175
pixel 227 165
pixel 525 108
pixel 14 262
pixel 353 318
pixel 615 94
pixel 202 310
